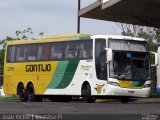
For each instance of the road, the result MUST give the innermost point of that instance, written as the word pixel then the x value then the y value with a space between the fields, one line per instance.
pixel 80 110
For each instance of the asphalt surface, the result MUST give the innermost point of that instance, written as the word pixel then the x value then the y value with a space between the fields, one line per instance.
pixel 138 109
pixel 77 107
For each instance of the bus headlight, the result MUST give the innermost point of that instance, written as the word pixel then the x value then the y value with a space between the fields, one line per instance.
pixel 147 85
pixel 113 83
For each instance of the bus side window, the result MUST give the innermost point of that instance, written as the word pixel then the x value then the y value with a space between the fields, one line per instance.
pixel 11 54
pixel 46 54
pixel 53 52
pixel 32 52
pixel 57 51
pixel 20 53
pixel 85 50
pixel 40 52
pixel 71 50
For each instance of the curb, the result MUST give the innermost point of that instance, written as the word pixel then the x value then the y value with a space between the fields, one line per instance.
pixel 135 100
pixel 105 100
pixel 147 100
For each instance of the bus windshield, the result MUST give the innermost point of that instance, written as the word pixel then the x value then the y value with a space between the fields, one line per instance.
pixel 130 62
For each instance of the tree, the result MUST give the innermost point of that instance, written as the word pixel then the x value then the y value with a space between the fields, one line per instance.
pixel 1 65
pixel 20 35
pixel 25 34
pixel 152 35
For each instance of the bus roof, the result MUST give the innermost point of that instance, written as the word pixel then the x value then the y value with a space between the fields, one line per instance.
pixel 119 37
pixel 70 37
pixel 56 38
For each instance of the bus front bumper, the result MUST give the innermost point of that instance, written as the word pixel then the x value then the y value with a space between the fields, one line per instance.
pixel 118 91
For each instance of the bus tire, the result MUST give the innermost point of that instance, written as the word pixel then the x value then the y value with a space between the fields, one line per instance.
pixel 30 93
pixel 22 93
pixel 86 94
pixel 125 100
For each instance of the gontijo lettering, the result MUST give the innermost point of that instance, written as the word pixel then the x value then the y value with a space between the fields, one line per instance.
pixel 38 68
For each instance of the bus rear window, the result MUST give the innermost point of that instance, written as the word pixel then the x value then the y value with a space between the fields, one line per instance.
pixel 11 54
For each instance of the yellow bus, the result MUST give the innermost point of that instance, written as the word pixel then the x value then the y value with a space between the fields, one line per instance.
pixel 78 65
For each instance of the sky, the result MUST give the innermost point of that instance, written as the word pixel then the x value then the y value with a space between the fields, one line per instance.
pixel 53 17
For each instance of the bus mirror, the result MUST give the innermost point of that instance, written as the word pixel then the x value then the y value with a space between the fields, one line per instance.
pixel 108 54
pixel 155 58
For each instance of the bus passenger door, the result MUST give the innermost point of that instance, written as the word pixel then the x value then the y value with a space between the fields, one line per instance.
pixel 101 65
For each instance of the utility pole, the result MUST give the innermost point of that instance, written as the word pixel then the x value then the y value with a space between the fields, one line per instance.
pixel 78 17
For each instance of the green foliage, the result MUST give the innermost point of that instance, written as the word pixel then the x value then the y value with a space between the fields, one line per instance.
pixel 41 33
pixel 25 34
pixel 152 35
pixel 2 52
pixel 9 98
pixel 154 95
pixel 20 35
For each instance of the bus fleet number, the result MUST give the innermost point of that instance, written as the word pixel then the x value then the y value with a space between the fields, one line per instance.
pixel 10 68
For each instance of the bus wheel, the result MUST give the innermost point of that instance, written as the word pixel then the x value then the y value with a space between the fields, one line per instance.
pixel 125 100
pixel 22 93
pixel 30 93
pixel 86 94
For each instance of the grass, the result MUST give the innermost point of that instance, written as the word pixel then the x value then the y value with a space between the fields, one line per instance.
pixel 154 95
pixel 9 98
